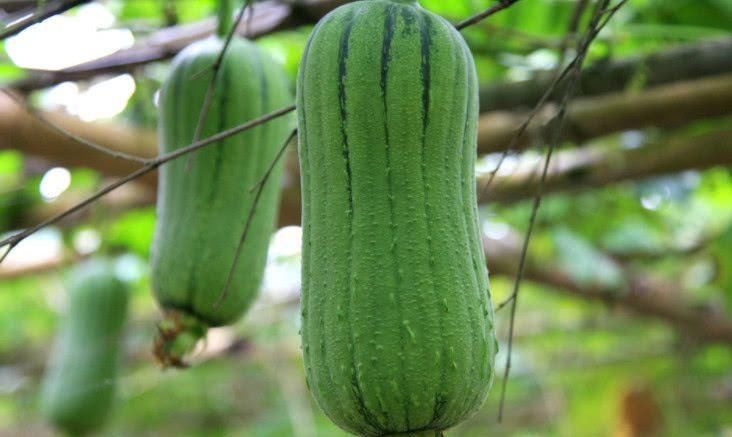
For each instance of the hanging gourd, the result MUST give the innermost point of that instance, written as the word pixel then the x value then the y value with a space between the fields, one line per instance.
pixel 397 322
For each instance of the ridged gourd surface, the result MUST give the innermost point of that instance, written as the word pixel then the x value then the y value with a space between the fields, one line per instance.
pixel 397 324
pixel 79 386
pixel 204 198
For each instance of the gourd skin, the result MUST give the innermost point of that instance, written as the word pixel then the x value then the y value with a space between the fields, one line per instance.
pixel 204 199
pixel 79 385
pixel 397 323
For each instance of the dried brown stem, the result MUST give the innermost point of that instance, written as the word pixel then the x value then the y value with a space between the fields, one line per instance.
pixel 259 187
pixel 594 28
pixel 519 133
pixel 40 117
pixel 579 9
pixel 216 67
pixel 50 10
pixel 477 18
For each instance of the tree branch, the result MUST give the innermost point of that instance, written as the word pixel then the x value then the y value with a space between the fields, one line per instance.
pixel 267 17
pixel 591 117
pixel 475 19
pixel 9 271
pixel 680 63
pixel 10 242
pixel 587 118
pixel 50 124
pixel 573 170
pixel 599 166
pixel 24 132
pixel 47 11
pixel 642 294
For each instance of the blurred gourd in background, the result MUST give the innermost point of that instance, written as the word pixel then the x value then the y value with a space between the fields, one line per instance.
pixel 81 378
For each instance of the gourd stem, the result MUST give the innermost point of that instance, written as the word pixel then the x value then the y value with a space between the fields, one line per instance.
pixel 178 334
pixel 225 18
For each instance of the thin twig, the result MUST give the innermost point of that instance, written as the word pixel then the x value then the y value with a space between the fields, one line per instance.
pixel 149 166
pixel 259 187
pixel 216 67
pixel 43 119
pixel 15 239
pixel 542 101
pixel 7 251
pixel 250 19
pixel 47 12
pixel 475 19
pixel 525 125
pixel 272 165
pixel 225 134
pixel 574 22
pixel 505 303
pixel 594 29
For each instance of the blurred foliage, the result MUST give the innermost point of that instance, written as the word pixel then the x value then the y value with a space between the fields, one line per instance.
pixel 584 263
pixel 720 251
pixel 574 361
pixel 156 12
pixel 132 231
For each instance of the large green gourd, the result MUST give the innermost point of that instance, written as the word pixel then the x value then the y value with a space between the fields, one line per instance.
pixel 79 386
pixel 204 199
pixel 397 323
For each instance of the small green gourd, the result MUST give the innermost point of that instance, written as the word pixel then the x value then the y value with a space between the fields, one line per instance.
pixel 80 381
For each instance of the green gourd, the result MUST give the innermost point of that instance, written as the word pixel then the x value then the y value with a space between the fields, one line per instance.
pixel 397 322
pixel 79 386
pixel 204 198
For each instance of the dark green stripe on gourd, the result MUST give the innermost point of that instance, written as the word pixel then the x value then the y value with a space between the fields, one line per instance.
pixel 79 385
pixel 204 200
pixel 397 322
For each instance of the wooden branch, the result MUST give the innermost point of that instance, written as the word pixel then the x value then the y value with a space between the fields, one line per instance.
pixel 599 166
pixel 642 294
pixel 19 130
pixel 12 6
pixel 48 10
pixel 150 165
pixel 587 118
pixel 680 63
pixel 675 64
pixel 54 264
pixel 10 271
pixel 680 103
pixel 573 170
pixel 23 132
